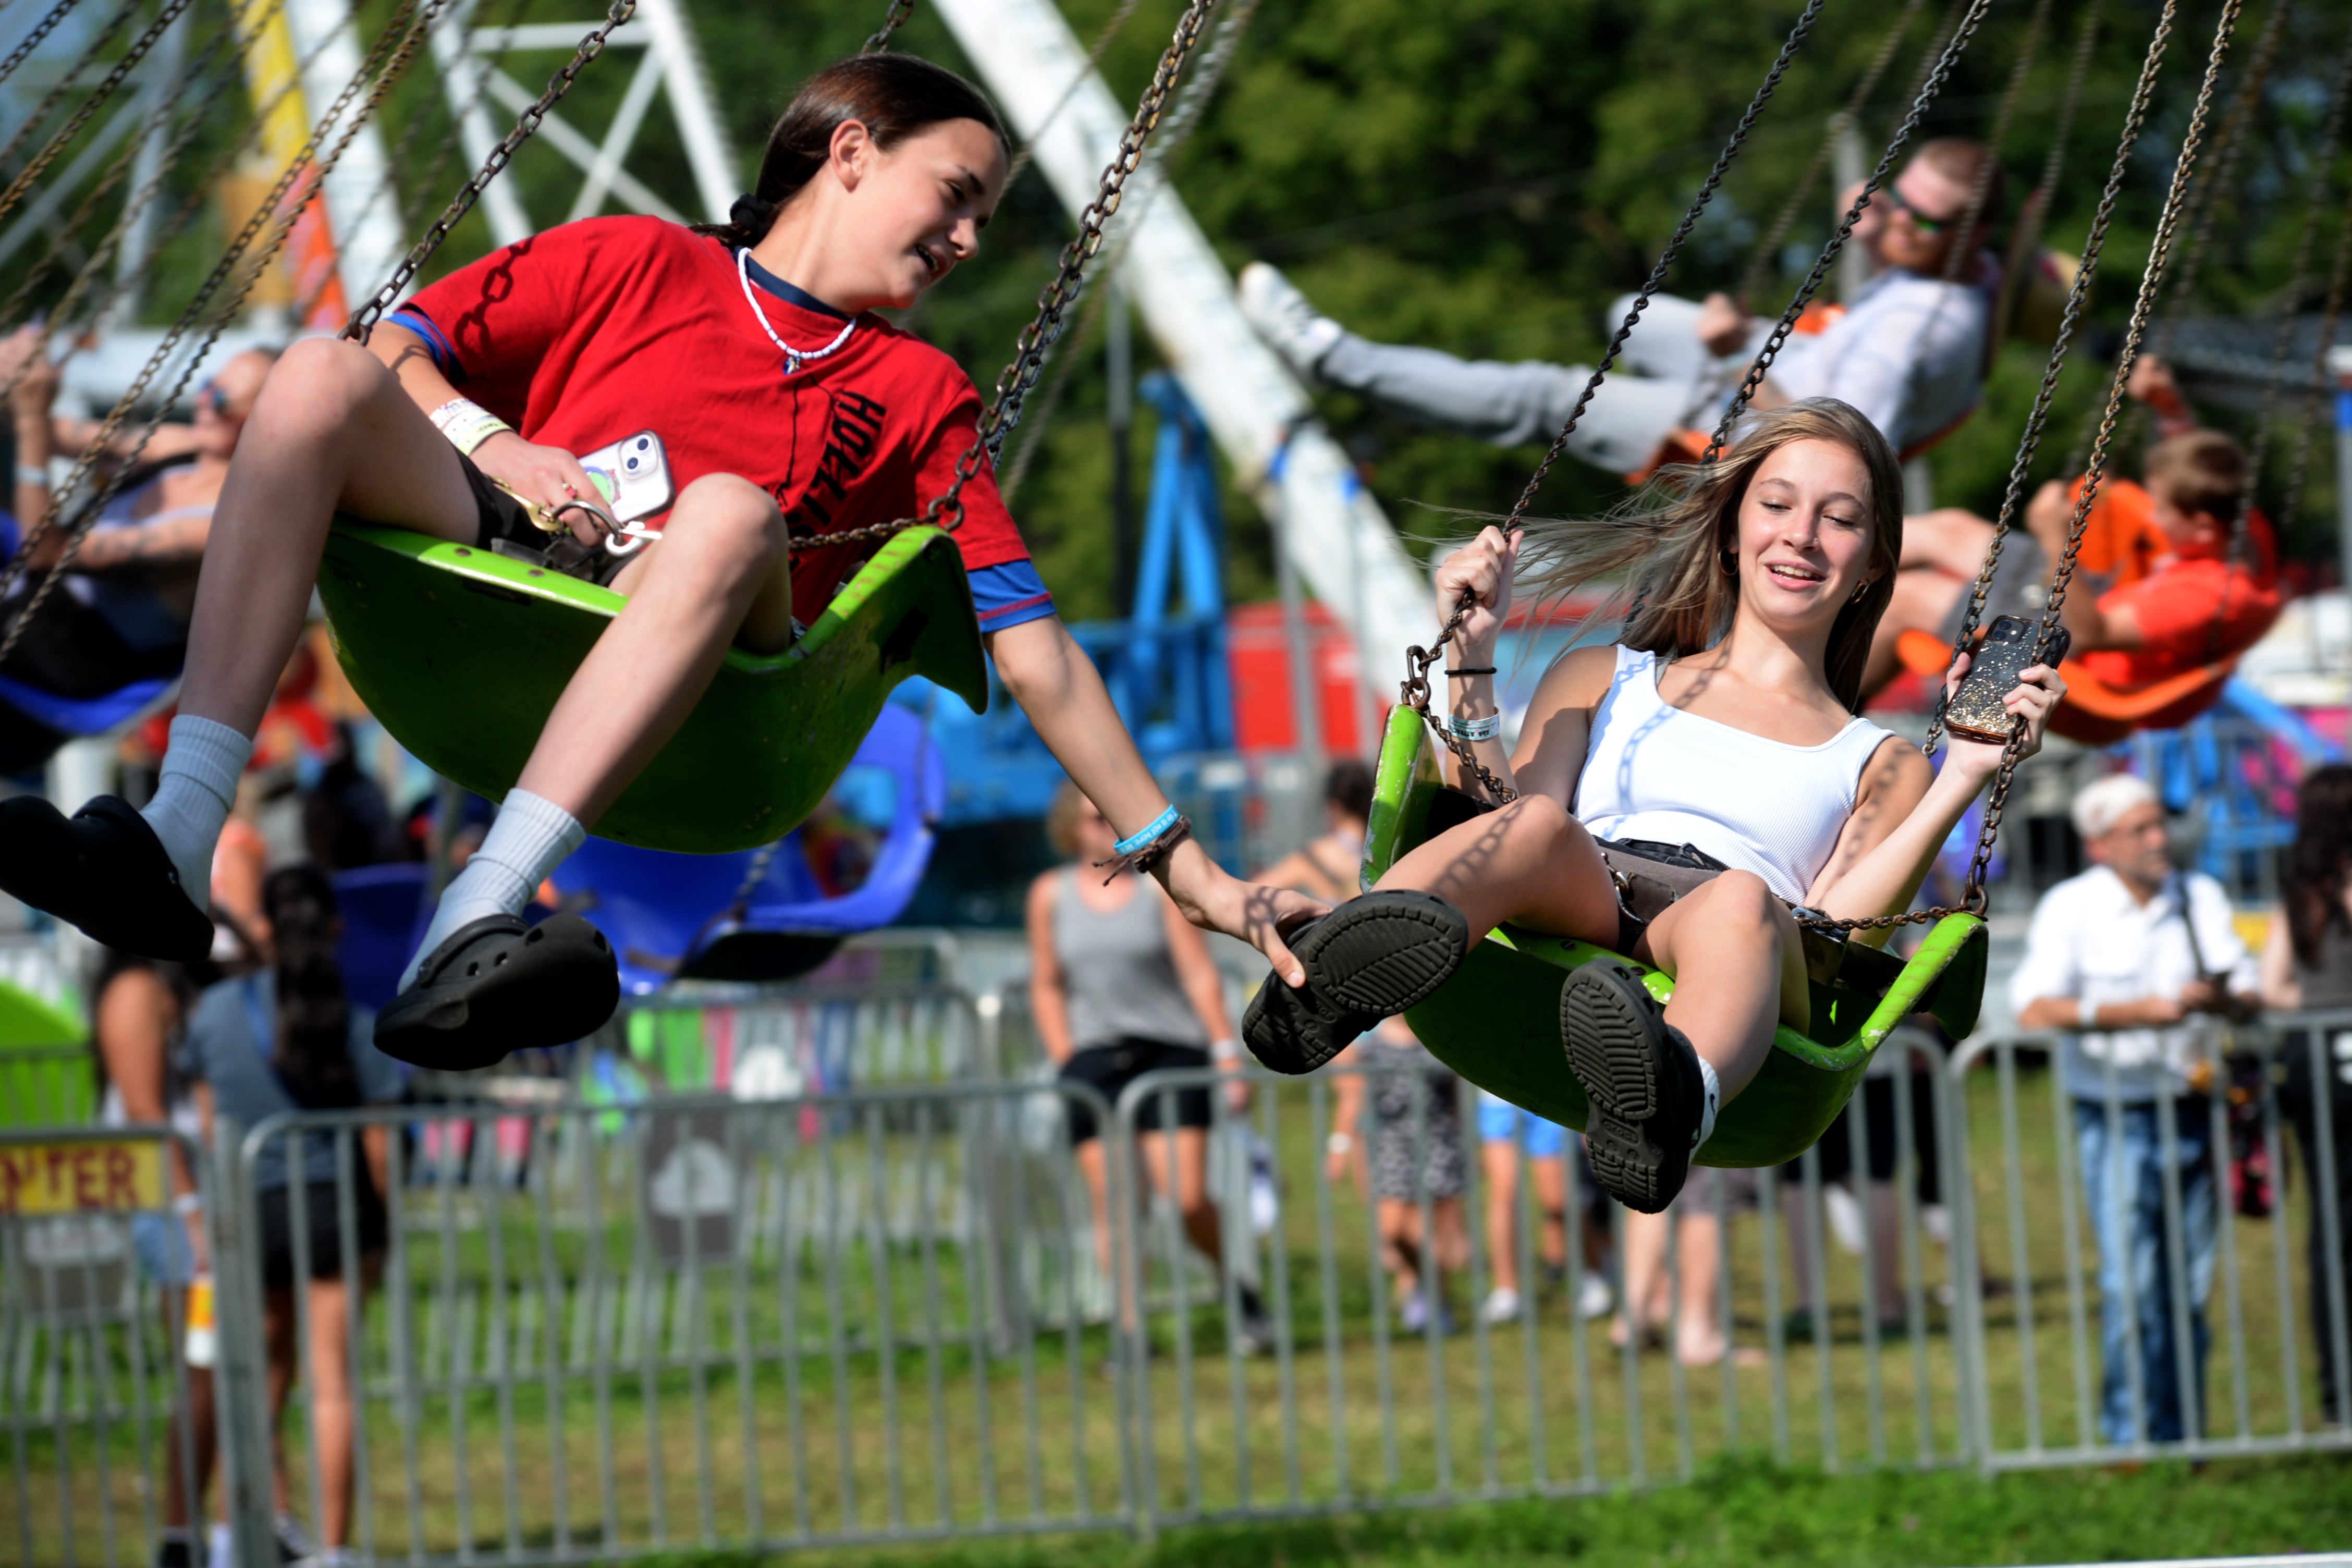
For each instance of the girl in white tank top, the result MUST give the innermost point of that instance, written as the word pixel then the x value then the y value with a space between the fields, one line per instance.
pixel 1723 722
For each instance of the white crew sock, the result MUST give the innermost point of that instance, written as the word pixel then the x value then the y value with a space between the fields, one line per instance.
pixel 1714 1100
pixel 202 763
pixel 529 840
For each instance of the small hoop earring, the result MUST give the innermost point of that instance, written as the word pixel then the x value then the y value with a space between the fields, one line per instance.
pixel 1863 587
pixel 1730 564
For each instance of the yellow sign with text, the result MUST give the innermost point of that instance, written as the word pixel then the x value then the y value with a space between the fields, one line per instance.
pixel 115 1175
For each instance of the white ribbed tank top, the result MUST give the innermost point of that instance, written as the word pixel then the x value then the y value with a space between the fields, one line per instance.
pixel 1654 772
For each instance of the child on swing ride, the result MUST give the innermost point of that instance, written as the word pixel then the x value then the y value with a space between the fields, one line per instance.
pixel 784 406
pixel 1718 732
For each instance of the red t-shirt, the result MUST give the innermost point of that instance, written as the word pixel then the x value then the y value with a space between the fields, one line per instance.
pixel 2178 603
pixel 594 330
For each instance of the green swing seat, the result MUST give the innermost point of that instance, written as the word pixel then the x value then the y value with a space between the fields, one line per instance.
pixel 1496 1021
pixel 462 654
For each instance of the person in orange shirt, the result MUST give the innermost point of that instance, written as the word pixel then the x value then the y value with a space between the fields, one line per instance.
pixel 2171 587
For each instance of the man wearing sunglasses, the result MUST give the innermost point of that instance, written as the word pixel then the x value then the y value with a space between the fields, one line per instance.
pixel 1908 350
pixel 121 614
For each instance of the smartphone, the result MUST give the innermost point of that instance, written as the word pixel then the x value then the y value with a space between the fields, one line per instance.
pixel 633 475
pixel 1976 713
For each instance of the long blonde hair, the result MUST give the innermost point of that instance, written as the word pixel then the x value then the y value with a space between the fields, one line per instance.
pixel 1674 544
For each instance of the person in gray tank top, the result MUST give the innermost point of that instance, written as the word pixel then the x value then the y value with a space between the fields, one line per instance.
pixel 2307 968
pixel 1121 984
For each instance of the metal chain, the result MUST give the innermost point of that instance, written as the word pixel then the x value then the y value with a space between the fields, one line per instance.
pixel 1414 691
pixel 1012 384
pixel 2323 170
pixel 1101 46
pixel 198 200
pixel 1965 242
pixel 386 62
pixel 32 40
pixel 70 231
pixel 89 105
pixel 1768 253
pixel 2031 217
pixel 2205 205
pixel 2078 297
pixel 1181 120
pixel 892 20
pixel 363 319
pixel 1931 87
pixel 2316 391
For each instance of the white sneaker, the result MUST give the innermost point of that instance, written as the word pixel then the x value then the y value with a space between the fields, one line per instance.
pixel 1502 1306
pixel 1294 329
pixel 1594 1298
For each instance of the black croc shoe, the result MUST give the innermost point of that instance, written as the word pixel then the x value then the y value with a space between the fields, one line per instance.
pixel 497 985
pixel 1643 1080
pixel 1370 958
pixel 105 871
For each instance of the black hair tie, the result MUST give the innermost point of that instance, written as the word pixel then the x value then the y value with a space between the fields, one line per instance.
pixel 750 216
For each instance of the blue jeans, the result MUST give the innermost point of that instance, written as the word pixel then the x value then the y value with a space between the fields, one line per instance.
pixel 2122 1183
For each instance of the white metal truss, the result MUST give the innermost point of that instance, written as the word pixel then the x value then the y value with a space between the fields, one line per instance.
pixel 476 84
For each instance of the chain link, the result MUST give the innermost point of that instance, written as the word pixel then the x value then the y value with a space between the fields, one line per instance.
pixel 32 40
pixel 363 319
pixel 1768 253
pixel 89 107
pixel 1967 242
pixel 385 63
pixel 892 20
pixel 1012 384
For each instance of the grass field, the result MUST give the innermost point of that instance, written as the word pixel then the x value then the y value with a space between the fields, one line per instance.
pixel 1749 1513
pixel 549 1382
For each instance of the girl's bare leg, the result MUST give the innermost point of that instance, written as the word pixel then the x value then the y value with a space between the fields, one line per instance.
pixel 1530 862
pixel 687 599
pixel 331 428
pixel 1744 942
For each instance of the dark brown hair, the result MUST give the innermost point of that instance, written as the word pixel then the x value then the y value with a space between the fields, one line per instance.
pixel 2319 861
pixel 312 1053
pixel 894 96
pixel 2201 472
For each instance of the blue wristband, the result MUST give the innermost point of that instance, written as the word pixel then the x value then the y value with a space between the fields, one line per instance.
pixel 1153 830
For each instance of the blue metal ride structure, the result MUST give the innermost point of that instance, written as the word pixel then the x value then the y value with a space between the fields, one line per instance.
pixel 2232 772
pixel 1166 670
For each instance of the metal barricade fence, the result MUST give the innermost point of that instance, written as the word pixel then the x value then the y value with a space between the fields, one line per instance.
pixel 2156 1277
pixel 697 1322
pixel 108 1431
pixel 757 1324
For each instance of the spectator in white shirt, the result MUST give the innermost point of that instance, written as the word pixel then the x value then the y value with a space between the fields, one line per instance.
pixel 1908 350
pixel 2123 960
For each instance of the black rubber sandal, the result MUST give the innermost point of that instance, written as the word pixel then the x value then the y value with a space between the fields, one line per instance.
pixel 1643 1078
pixel 104 870
pixel 1370 958
pixel 497 985
pixel 1297 1031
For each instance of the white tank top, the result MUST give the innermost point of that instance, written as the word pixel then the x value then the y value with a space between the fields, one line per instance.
pixel 1654 772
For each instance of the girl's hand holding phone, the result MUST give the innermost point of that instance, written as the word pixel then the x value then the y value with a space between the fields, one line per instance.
pixel 546 477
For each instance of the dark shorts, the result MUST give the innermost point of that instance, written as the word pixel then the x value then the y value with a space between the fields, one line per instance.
pixel 1108 1069
pixel 505 529
pixel 322 1223
pixel 1880 1146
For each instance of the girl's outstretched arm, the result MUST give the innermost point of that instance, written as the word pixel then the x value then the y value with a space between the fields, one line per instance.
pixel 1905 810
pixel 1057 686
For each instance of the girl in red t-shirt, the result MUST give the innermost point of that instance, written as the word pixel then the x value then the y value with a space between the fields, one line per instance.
pixel 463 417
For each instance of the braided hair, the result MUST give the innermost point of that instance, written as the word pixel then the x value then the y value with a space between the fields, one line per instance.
pixel 312 1053
pixel 894 96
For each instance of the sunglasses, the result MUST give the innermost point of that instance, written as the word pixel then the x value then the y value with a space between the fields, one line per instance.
pixel 210 396
pixel 1930 226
